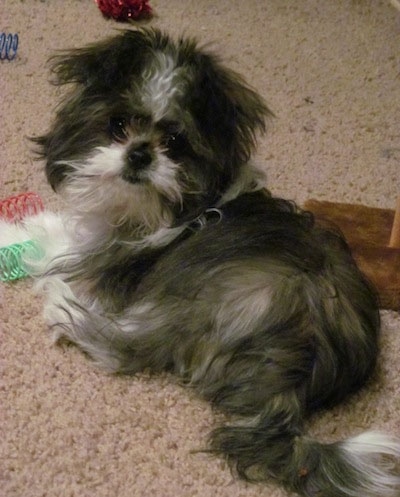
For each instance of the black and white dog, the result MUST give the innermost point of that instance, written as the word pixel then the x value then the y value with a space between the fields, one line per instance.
pixel 171 256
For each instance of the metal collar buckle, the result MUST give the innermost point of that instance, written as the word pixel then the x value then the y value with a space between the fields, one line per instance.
pixel 208 217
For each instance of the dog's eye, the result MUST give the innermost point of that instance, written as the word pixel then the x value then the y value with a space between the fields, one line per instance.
pixel 175 142
pixel 117 128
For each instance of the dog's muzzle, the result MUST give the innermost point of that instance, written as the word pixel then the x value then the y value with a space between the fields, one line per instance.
pixel 138 159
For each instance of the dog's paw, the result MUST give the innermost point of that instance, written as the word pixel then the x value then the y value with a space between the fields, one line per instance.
pixel 60 308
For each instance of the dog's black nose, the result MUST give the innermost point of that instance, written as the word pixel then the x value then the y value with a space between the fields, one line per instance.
pixel 139 156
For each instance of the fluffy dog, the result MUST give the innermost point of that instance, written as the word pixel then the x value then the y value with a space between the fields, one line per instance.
pixel 171 256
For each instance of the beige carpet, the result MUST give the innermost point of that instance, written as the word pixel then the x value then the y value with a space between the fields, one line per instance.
pixel 330 70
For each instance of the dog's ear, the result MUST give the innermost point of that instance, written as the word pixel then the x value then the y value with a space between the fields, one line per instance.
pixel 229 111
pixel 105 64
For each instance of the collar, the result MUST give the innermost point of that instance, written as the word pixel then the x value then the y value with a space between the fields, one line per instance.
pixel 209 217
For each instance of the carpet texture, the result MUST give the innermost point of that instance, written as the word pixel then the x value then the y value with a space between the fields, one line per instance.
pixel 330 72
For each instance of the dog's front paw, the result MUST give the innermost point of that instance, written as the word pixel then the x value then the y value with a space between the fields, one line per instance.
pixel 62 312
pixel 80 320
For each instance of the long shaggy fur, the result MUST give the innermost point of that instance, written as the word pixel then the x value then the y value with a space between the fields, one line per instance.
pixel 170 256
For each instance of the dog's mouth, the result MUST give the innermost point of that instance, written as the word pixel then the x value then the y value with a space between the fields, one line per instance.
pixel 133 177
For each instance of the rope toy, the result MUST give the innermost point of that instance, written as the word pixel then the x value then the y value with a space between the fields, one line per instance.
pixel 13 210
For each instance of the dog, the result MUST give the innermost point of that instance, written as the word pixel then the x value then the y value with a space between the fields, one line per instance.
pixel 171 255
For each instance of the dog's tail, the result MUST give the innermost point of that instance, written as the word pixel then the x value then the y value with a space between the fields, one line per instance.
pixel 273 447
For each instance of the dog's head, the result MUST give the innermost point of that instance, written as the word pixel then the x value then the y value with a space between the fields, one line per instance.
pixel 153 131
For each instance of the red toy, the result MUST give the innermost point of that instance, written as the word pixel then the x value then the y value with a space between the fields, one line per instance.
pixel 14 208
pixel 125 10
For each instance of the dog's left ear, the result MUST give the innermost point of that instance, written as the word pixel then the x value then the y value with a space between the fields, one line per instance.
pixel 229 112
